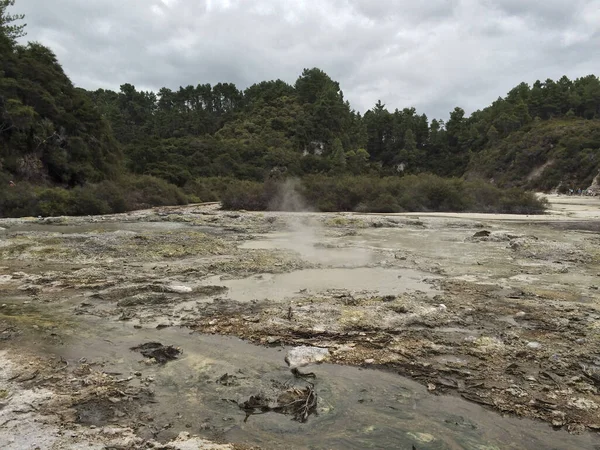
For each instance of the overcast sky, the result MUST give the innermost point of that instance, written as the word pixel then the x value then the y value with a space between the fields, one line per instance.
pixel 430 54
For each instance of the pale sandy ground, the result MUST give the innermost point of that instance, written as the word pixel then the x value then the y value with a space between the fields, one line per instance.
pixel 562 208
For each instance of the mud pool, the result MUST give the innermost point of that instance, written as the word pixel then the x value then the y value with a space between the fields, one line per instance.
pixel 445 331
pixel 279 287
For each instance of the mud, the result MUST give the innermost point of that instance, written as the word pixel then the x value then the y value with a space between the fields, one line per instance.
pixel 443 331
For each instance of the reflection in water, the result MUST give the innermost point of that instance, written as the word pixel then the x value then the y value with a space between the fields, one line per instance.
pixel 357 408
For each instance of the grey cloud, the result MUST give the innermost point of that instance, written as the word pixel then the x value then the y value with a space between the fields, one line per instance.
pixel 553 12
pixel 407 11
pixel 433 55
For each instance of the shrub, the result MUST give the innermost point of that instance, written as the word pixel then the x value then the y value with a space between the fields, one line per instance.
pixel 249 195
pixel 145 191
pixel 53 202
pixel 516 201
pixel 113 195
pixel 385 203
pixel 365 193
pixel 92 199
pixel 17 201
pixel 85 201
pixel 418 193
pixel 209 189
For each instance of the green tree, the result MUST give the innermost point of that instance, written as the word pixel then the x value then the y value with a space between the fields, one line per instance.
pixel 8 28
pixel 493 134
pixel 410 143
pixel 337 154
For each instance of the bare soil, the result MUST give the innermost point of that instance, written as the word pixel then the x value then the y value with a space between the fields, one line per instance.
pixel 501 311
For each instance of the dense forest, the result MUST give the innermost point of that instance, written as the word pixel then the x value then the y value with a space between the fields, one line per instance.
pixel 308 128
pixel 72 151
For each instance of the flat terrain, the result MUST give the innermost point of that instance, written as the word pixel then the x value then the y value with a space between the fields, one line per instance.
pixel 443 331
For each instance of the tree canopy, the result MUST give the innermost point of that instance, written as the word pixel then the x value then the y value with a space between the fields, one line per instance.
pixel 52 132
pixel 10 30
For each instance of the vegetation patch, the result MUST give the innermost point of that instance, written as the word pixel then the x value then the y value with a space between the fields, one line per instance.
pixel 420 193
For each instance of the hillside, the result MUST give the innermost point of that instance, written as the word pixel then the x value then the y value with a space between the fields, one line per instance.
pixel 50 132
pixel 558 153
pixel 72 151
pixel 308 128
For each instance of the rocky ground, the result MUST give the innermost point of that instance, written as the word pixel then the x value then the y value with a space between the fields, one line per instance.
pixel 502 311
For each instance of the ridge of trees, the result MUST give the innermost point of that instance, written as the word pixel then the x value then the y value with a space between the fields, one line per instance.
pixel 55 134
pixel 309 128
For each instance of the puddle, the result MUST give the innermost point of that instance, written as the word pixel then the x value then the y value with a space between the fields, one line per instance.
pixel 357 409
pixel 317 249
pixel 279 287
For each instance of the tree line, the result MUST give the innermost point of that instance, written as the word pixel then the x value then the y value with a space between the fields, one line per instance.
pixel 53 134
pixel 309 128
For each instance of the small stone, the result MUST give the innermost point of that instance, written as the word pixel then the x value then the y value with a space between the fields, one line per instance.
pixel 534 345
pixel 520 315
pixel 303 355
pixel 369 361
pixel 442 307
pixel 581 341
pixel 431 387
pixel 137 374
pixel 423 438
pixel 177 289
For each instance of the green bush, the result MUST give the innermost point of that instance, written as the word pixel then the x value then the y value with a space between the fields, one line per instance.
pixel 54 202
pixel 85 202
pixel 516 201
pixel 385 203
pixel 113 195
pixel 17 201
pixel 130 193
pixel 420 193
pixel 249 195
pixel 367 193
pixel 210 189
pixel 145 191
